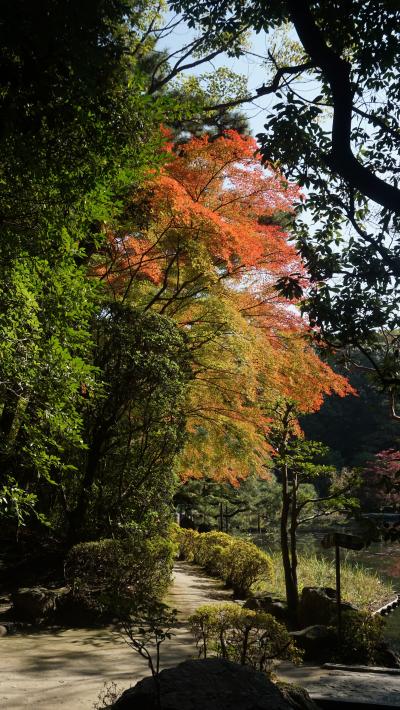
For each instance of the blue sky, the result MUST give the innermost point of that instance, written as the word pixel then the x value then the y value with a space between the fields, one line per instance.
pixel 247 65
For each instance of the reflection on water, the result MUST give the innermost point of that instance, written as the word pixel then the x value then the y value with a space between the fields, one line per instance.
pixel 380 556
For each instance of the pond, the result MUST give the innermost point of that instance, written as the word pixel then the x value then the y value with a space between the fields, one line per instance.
pixel 380 556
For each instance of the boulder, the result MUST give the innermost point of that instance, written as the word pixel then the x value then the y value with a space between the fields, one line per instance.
pixel 34 604
pixel 270 605
pixel 212 684
pixel 11 628
pixel 386 656
pixel 318 642
pixel 73 610
pixel 297 696
pixel 318 606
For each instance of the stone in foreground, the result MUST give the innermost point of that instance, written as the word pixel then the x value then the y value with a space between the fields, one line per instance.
pixel 213 684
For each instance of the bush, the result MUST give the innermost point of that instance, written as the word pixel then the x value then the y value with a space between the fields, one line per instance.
pixel 111 576
pixel 185 538
pixel 239 563
pixel 361 636
pixel 246 564
pixel 247 637
pixel 207 546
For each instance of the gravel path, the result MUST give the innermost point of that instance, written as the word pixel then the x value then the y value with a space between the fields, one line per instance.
pixel 68 669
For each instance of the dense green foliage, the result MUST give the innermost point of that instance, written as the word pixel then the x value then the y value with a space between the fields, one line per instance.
pixel 243 636
pixel 365 416
pixel 133 429
pixel 90 390
pixel 112 576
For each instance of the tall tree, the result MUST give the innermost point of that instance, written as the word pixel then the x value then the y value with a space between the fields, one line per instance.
pixel 75 131
pixel 133 429
pixel 200 244
pixel 339 140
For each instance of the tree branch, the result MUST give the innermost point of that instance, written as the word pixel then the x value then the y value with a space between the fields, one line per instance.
pixel 263 90
pixel 337 73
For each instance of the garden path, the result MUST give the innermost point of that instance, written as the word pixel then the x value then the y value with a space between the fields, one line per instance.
pixel 67 669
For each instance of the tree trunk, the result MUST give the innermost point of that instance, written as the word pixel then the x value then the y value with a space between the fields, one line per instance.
pixel 77 516
pixel 290 585
pixel 11 420
pixel 293 541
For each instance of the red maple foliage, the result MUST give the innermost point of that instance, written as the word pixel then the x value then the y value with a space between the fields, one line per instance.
pixel 381 481
pixel 202 242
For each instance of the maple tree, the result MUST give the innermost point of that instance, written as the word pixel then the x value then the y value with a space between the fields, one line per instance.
pixel 381 481
pixel 204 243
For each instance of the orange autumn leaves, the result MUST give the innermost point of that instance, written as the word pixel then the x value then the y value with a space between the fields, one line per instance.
pixel 201 243
pixel 205 209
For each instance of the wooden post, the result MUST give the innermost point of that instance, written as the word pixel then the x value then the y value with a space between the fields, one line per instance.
pixel 350 542
pixel 338 593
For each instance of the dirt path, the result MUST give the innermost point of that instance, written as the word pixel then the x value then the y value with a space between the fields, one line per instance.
pixel 68 669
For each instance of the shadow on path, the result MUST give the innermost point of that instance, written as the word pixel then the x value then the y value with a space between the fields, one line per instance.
pixel 67 668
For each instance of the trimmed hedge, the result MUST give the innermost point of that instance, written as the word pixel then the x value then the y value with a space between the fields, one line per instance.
pixel 238 563
pixel 112 576
pixel 243 636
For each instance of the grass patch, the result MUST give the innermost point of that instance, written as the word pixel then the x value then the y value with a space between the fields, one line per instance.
pixel 361 586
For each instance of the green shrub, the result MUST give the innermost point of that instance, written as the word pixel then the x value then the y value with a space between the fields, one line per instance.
pixel 241 635
pixel 111 576
pixel 205 548
pixel 246 564
pixel 361 635
pixel 186 539
pixel 238 563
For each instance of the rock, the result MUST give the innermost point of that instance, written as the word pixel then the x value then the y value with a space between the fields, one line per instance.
pixel 210 684
pixel 297 696
pixel 318 606
pixel 386 657
pixel 37 603
pixel 3 631
pixel 270 605
pixel 72 610
pixel 32 604
pixel 318 642
pixel 12 627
